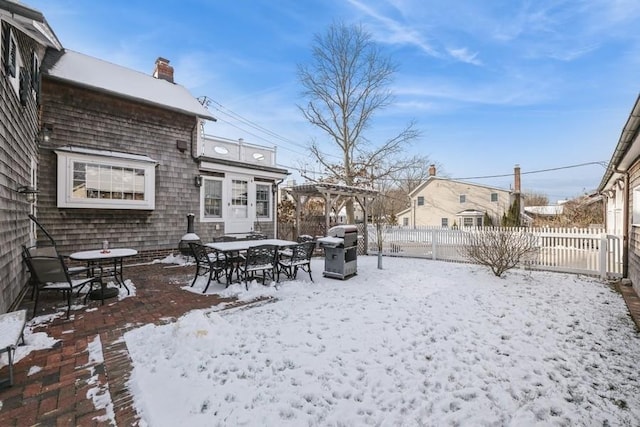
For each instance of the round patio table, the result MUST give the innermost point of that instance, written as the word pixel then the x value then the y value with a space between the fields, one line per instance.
pixel 114 258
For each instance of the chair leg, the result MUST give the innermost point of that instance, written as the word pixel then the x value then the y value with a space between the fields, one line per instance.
pixel 209 281
pixel 196 276
pixel 35 304
pixel 69 292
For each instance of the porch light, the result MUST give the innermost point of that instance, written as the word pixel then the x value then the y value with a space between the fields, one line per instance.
pixel 29 192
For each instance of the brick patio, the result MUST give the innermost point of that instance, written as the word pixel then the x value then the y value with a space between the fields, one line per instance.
pixel 57 394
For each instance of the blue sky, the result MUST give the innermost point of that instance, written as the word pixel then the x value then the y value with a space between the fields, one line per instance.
pixel 544 84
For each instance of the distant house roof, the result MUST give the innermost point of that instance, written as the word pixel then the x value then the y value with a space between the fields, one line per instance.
pixel 83 70
pixel 552 210
pixel 433 178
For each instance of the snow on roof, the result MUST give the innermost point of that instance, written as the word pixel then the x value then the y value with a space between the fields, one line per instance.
pixel 545 210
pixel 104 76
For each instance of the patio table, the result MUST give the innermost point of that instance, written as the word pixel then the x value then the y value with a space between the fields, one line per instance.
pixel 230 249
pixel 112 257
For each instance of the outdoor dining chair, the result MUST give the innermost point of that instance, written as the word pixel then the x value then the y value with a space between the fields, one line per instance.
pixel 50 273
pixel 207 261
pixel 300 258
pixel 259 259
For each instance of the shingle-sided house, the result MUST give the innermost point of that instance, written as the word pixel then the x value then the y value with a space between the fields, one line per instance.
pixel 119 160
pixel 443 202
pixel 115 154
pixel 127 160
pixel 620 186
pixel 24 37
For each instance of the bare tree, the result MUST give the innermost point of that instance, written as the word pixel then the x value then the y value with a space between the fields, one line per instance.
pixel 499 249
pixel 535 199
pixel 345 83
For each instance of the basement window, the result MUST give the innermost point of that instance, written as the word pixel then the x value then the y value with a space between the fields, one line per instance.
pixel 99 179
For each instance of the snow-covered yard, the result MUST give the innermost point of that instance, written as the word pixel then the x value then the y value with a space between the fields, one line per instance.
pixel 418 343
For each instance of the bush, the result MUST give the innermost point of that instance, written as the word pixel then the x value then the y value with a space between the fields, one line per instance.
pixel 500 250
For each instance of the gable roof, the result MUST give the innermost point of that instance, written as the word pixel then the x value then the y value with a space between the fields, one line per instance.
pixel 87 71
pixel 430 179
pixel 30 21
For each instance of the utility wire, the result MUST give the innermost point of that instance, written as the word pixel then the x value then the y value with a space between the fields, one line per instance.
pixel 601 163
pixel 206 101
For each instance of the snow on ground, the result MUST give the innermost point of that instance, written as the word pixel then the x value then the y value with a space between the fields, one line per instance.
pixel 418 343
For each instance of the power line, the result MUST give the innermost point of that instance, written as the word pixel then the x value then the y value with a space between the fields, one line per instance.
pixel 207 101
pixel 601 163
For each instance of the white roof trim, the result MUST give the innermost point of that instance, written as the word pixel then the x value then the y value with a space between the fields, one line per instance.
pixel 259 173
pixel 105 153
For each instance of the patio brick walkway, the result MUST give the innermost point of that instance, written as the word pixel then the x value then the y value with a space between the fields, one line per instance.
pixel 57 395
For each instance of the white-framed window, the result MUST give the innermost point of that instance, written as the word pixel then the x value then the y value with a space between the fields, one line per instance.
pixel 636 206
pixel 97 179
pixel 444 222
pixel 494 197
pixel 463 198
pixel 479 221
pixel 263 201
pixel 420 200
pixel 212 198
pixel 467 222
pixel 405 221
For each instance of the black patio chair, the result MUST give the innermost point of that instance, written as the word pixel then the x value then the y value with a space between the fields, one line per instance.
pixel 50 251
pixel 50 273
pixel 259 259
pixel 207 261
pixel 300 258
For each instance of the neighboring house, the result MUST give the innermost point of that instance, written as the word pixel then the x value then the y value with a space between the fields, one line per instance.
pixel 115 155
pixel 442 202
pixel 24 37
pixel 620 186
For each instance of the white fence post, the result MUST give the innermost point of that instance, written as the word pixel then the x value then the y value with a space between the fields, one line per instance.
pixel 433 244
pixel 604 249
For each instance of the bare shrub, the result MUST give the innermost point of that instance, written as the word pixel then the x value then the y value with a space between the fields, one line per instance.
pixel 499 249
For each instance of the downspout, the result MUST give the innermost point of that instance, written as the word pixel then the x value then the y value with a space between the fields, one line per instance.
pixel 274 197
pixel 625 224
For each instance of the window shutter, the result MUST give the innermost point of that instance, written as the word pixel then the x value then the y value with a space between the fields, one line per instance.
pixel 35 70
pixel 24 86
pixel 13 52
pixel 5 49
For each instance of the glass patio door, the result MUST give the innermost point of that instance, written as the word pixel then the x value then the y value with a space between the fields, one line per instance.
pixel 240 218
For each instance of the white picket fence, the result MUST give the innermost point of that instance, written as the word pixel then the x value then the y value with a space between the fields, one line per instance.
pixel 571 250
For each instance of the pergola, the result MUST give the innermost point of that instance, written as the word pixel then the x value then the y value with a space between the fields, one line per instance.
pixel 335 197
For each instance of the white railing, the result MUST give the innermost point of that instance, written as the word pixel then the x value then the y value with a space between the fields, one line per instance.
pixel 571 250
pixel 236 150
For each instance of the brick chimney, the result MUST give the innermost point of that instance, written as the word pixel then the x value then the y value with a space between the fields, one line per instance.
pixel 432 169
pixel 163 70
pixel 516 179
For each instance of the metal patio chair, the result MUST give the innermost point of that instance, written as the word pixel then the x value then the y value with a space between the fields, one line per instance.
pixel 207 261
pixel 259 259
pixel 300 258
pixel 50 273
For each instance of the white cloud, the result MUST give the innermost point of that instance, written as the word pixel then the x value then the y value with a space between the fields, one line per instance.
pixel 463 54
